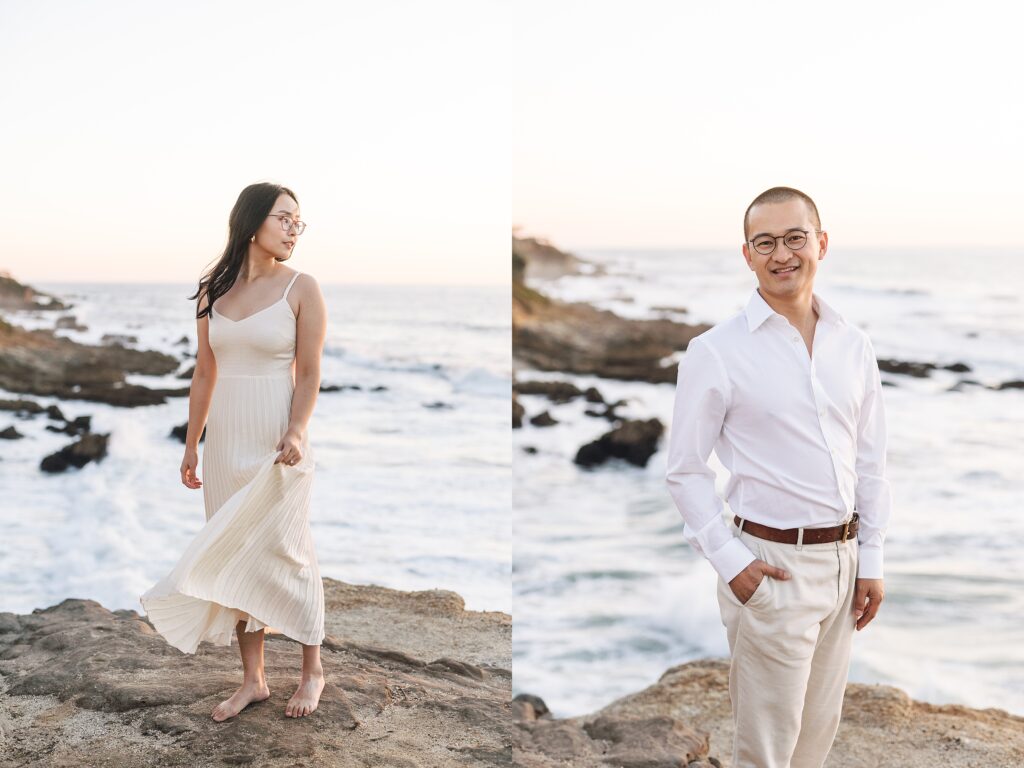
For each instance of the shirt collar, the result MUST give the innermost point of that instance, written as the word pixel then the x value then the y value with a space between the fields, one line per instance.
pixel 758 311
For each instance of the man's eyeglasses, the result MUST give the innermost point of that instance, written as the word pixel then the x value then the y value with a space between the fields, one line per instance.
pixel 795 239
pixel 287 222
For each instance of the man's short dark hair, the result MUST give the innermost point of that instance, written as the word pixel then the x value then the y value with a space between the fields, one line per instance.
pixel 781 195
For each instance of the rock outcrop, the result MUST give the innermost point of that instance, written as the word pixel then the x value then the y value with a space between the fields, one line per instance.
pixel 413 679
pixel 552 335
pixel 15 296
pixel 42 363
pixel 685 719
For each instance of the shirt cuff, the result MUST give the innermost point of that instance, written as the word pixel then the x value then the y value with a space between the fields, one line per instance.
pixel 869 563
pixel 731 558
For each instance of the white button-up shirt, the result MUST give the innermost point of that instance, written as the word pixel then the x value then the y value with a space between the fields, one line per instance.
pixel 803 436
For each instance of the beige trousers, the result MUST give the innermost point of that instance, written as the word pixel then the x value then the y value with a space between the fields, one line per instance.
pixel 790 647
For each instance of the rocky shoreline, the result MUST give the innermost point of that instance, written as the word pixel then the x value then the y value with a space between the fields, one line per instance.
pixel 43 363
pixel 413 680
pixel 685 720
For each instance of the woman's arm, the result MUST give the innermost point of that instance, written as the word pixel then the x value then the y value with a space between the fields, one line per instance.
pixel 204 378
pixel 310 331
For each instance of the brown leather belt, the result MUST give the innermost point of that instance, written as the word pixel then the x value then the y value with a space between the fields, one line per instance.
pixel 811 535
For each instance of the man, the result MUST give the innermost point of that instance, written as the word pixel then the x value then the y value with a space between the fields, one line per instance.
pixel 789 396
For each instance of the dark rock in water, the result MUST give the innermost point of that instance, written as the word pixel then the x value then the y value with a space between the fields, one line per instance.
pixel 10 434
pixel 886 383
pixel 634 440
pixel 180 432
pixel 344 387
pixel 1013 384
pixel 608 413
pixel 544 419
pixel 118 338
pixel 379 388
pixel 69 323
pixel 55 413
pixel 438 405
pixel 552 335
pixel 413 680
pixel 42 363
pixel 517 413
pixel 961 385
pixel 183 341
pixel 78 426
pixel 592 395
pixel 531 449
pixel 22 407
pixel 186 374
pixel 918 370
pixel 556 391
pixel 90 447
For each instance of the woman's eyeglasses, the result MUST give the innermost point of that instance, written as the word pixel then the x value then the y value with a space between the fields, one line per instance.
pixel 287 222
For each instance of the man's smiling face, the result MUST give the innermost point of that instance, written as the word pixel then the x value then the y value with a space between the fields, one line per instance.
pixel 788 272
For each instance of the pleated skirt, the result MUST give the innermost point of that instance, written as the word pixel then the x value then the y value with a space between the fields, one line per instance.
pixel 254 559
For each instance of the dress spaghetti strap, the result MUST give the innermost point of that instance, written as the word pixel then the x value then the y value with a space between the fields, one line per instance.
pixel 290 283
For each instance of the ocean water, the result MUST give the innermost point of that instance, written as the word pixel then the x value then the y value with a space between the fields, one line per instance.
pixel 405 495
pixel 608 594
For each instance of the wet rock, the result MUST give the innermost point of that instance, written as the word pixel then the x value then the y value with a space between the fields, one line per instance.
pixel 438 405
pixel 634 440
pixel 531 449
pixel 551 335
pixel 55 413
pixel 441 698
pixel 89 447
pixel 42 363
pixel 187 374
pixel 10 434
pixel 69 323
pixel 1013 384
pixel 517 413
pixel 544 419
pixel 184 341
pixel 22 407
pixel 592 395
pixel 555 391
pixel 79 426
pixel 180 433
pixel 918 370
pixel 118 338
pixel 609 412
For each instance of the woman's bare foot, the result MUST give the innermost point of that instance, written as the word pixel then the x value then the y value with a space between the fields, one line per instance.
pixel 306 697
pixel 243 697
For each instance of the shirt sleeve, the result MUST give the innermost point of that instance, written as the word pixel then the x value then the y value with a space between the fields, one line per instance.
pixel 701 402
pixel 873 497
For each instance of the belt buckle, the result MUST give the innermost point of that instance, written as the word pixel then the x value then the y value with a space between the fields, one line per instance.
pixel 846 531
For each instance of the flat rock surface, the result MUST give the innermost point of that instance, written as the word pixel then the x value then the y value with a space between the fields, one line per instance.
pixel 689 707
pixel 413 679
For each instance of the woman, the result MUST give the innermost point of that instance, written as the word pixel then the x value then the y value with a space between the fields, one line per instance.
pixel 253 567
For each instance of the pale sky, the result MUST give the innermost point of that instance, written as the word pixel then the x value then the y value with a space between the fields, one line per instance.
pixel 129 128
pixel 654 124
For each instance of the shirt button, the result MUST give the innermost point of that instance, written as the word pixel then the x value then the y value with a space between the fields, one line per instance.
pixel 796 339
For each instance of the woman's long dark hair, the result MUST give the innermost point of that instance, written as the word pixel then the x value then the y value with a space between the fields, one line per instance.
pixel 248 214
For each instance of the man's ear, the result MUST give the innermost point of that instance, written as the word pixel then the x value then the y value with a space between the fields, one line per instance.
pixel 746 255
pixel 822 245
